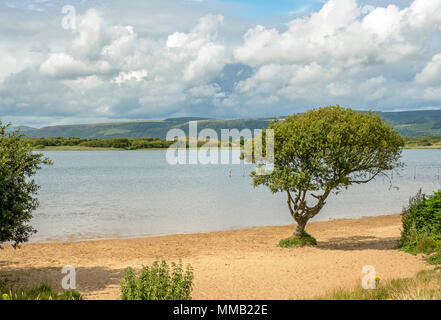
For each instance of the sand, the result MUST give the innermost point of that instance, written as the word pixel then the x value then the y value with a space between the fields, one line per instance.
pixel 240 264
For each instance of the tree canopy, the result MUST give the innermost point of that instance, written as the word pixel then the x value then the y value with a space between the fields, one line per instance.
pixel 18 164
pixel 325 150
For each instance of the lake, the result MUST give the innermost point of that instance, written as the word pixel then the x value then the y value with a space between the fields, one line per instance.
pixel 117 194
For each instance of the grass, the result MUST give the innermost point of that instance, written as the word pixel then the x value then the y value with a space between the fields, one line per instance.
pixel 426 285
pixel 426 245
pixel 423 142
pixel 292 242
pixel 41 292
pixel 434 259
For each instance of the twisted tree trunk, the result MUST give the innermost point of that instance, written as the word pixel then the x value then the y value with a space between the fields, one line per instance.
pixel 300 230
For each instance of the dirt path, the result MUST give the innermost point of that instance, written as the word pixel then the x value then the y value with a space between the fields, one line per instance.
pixel 243 264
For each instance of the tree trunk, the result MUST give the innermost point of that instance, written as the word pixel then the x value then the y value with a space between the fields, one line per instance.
pixel 300 230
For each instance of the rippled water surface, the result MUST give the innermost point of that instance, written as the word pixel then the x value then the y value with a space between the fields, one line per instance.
pixel 112 194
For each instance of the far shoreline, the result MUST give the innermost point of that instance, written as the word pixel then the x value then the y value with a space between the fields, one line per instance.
pixel 68 148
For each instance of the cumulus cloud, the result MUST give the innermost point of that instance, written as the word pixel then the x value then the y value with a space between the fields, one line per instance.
pixel 347 52
pixel 199 50
pixel 62 65
pixel 431 74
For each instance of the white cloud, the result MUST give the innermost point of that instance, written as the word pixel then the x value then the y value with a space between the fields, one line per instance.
pixel 136 66
pixel 339 32
pixel 200 49
pixel 431 74
pixel 338 89
pixel 137 76
pixel 356 54
pixel 62 65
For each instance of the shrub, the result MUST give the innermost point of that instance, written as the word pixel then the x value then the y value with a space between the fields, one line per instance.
pixel 158 282
pixel 426 245
pixel 18 189
pixel 306 240
pixel 421 220
pixel 435 259
pixel 42 292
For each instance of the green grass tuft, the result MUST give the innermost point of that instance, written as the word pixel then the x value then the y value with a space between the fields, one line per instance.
pixel 292 242
pixel 426 245
pixel 435 259
pixel 41 292
pixel 426 285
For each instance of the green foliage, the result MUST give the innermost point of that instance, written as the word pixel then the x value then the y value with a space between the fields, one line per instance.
pixel 114 143
pixel 421 231
pixel 119 143
pixel 426 245
pixel 42 292
pixel 425 286
pixel 18 164
pixel 423 141
pixel 158 282
pixel 325 150
pixel 306 240
pixel 435 259
pixel 421 221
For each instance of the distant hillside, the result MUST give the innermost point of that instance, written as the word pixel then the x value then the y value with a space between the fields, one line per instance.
pixel 416 123
pixel 139 129
pixel 23 129
pixel 411 123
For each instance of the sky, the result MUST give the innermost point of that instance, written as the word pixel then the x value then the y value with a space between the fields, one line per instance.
pixel 87 61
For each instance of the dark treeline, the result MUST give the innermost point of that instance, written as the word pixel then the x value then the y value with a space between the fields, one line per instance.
pixel 423 141
pixel 157 143
pixel 114 143
pixel 118 143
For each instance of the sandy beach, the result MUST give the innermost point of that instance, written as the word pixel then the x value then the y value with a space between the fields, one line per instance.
pixel 241 264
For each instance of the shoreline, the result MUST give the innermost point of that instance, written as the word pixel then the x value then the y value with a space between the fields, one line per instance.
pixel 74 239
pixel 64 148
pixel 244 264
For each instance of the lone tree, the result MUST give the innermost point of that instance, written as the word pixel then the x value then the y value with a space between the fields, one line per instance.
pixel 17 188
pixel 322 151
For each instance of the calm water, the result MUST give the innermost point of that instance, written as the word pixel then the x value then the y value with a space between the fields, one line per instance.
pixel 112 194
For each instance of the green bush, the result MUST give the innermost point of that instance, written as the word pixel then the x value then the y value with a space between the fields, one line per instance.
pixel 435 259
pixel 158 282
pixel 42 292
pixel 114 143
pixel 426 245
pixel 421 231
pixel 421 220
pixel 306 240
pixel 18 188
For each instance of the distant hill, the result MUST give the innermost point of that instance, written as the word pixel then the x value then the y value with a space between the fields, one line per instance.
pixel 416 123
pixel 139 129
pixel 23 129
pixel 411 123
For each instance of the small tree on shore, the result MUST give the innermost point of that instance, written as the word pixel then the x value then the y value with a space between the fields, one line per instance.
pixel 18 164
pixel 324 150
